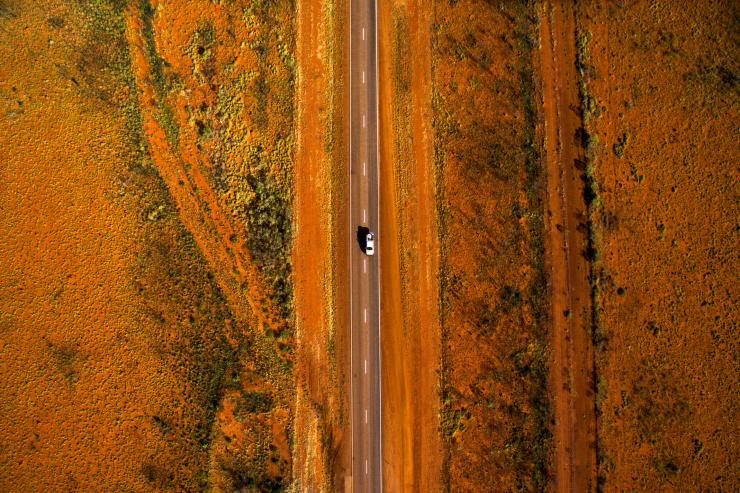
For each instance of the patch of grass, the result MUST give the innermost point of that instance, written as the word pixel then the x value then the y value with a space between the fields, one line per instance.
pixel 162 424
pixel 601 392
pixel 64 360
pixel 453 422
pixel 178 292
pixel 6 12
pixel 257 402
pixel 157 475
pixel 715 84
pixel 538 298
pixel 259 143
pixel 659 402
pixel 201 50
pixel 102 60
pixel 180 310
pixel 666 467
pixel 444 128
pixel 589 111
pixel 494 161
pixel 698 448
pixel 161 81
pixel 401 54
pixel 511 298
pixel 621 144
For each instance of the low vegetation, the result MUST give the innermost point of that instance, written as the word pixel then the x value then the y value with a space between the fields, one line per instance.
pixel 495 402
pixel 203 397
pixel 651 157
pixel 162 77
pixel 253 152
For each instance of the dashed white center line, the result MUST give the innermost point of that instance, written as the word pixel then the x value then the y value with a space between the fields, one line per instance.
pixel 363 33
pixel 364 265
pixel 364 169
pixel 365 466
pixel 365 416
pixel 363 76
pixel 363 121
pixel 365 315
pixel 364 215
pixel 365 367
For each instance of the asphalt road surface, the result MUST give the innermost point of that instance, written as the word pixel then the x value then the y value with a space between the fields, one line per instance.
pixel 364 269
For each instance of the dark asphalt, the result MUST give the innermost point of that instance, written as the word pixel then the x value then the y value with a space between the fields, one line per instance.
pixel 364 270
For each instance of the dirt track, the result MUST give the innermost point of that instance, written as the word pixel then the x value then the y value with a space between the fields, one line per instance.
pixel 571 374
pixel 411 443
pixel 321 350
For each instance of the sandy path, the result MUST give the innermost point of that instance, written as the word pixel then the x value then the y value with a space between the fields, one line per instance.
pixel 572 351
pixel 316 377
pixel 410 344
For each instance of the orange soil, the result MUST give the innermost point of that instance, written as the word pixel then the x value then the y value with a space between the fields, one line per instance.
pixel 410 340
pixel 69 410
pixel 663 78
pixel 571 371
pixel 91 397
pixel 319 425
pixel 120 344
pixel 125 367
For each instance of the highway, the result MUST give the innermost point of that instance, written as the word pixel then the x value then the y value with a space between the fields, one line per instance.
pixel 364 270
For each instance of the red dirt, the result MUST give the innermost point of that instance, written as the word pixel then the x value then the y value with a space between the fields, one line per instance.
pixel 663 78
pixel 320 426
pixel 132 305
pixel 198 47
pixel 69 409
pixel 571 370
pixel 422 243
pixel 104 300
pixel 184 170
pixel 145 347
pixel 411 446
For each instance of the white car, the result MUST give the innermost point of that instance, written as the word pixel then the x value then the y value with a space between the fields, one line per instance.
pixel 370 243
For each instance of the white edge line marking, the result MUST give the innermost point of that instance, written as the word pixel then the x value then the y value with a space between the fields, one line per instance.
pixel 349 257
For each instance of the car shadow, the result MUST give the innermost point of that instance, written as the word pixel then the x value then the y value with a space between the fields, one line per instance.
pixel 362 232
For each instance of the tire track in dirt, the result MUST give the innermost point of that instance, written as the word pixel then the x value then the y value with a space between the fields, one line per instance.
pixel 425 326
pixel 411 443
pixel 567 242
